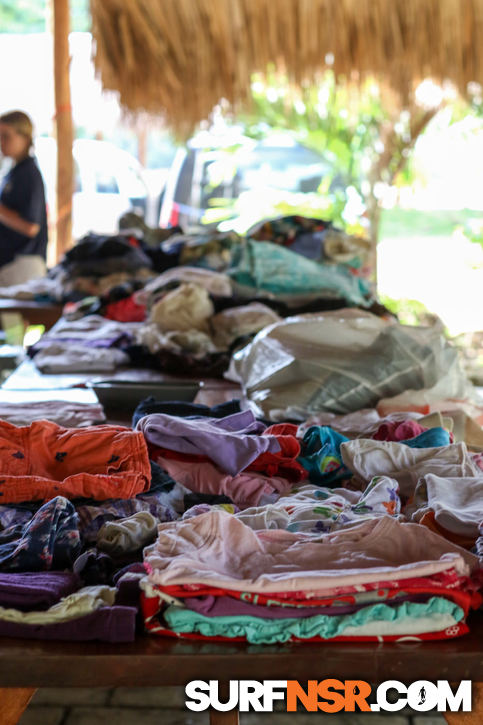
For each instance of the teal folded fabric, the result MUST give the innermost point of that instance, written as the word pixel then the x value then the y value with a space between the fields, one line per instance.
pixel 432 438
pixel 320 455
pixel 377 619
pixel 272 268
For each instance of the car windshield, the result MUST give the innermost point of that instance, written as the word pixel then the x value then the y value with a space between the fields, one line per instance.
pixel 228 174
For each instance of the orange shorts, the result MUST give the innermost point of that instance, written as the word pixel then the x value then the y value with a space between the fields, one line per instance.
pixel 44 460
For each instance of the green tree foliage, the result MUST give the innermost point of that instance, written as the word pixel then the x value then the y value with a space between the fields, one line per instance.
pixel 365 131
pixel 22 16
pixel 29 16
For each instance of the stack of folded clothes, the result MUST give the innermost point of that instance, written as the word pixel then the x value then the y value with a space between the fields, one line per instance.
pixel 214 577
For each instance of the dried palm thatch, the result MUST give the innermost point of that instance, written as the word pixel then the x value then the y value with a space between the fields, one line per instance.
pixel 178 58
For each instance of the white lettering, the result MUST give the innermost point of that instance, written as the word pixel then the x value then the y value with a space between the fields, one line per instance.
pixel 381 697
pixel 198 701
pixel 460 700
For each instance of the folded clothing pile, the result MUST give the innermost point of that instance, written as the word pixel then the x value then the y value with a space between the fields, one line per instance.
pixel 214 577
pixel 314 238
pixel 77 506
pixel 235 455
pixel 263 267
pixel 54 605
pixel 90 344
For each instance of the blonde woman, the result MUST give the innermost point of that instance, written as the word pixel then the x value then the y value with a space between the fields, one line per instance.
pixel 23 215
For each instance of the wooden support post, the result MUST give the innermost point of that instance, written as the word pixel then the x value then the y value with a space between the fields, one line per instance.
pixel 224 718
pixel 13 702
pixel 63 120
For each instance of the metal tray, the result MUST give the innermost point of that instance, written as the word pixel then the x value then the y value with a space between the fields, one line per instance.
pixel 125 395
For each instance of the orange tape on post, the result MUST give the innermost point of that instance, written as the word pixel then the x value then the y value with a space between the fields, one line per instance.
pixel 62 109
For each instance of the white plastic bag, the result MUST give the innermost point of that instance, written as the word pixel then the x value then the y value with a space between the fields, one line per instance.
pixel 343 361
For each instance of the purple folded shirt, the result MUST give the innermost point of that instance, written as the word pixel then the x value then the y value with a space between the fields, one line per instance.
pixel 31 591
pixel 210 606
pixel 232 443
pixel 107 624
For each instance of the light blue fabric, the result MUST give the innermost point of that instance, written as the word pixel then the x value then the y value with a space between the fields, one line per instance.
pixel 432 438
pixel 272 268
pixel 269 631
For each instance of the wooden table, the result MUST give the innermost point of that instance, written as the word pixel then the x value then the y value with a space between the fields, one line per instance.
pixel 157 662
pixel 153 661
pixel 33 313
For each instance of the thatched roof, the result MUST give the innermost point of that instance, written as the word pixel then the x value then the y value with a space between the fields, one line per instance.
pixel 180 57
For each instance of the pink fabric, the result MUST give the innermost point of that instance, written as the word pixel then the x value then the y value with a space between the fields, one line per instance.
pixel 394 431
pixel 218 550
pixel 246 489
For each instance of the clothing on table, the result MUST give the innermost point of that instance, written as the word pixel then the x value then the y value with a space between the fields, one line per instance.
pixel 232 442
pixel 44 460
pixel 184 410
pixel 164 507
pixel 90 343
pixel 284 463
pixel 432 438
pixel 126 310
pixel 164 500
pixel 380 619
pixel 31 591
pixel 247 488
pixel 74 605
pixel 203 508
pixel 320 510
pixel 179 362
pixel 457 503
pixel 216 283
pixel 367 458
pixel 263 266
pixel 127 535
pixel 366 422
pixel 395 431
pixel 114 624
pixel 449 583
pixel 99 255
pixel 186 342
pixel 49 540
pixel 210 606
pixel 67 414
pixel 374 620
pixel 320 455
pixel 61 358
pixel 95 568
pixel 428 519
pixel 236 322
pixel 93 331
pixel 186 308
pixel 44 288
pixel 217 549
pixel 191 500
pixel 22 191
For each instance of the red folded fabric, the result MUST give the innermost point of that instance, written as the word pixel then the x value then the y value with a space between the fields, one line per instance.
pixel 126 310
